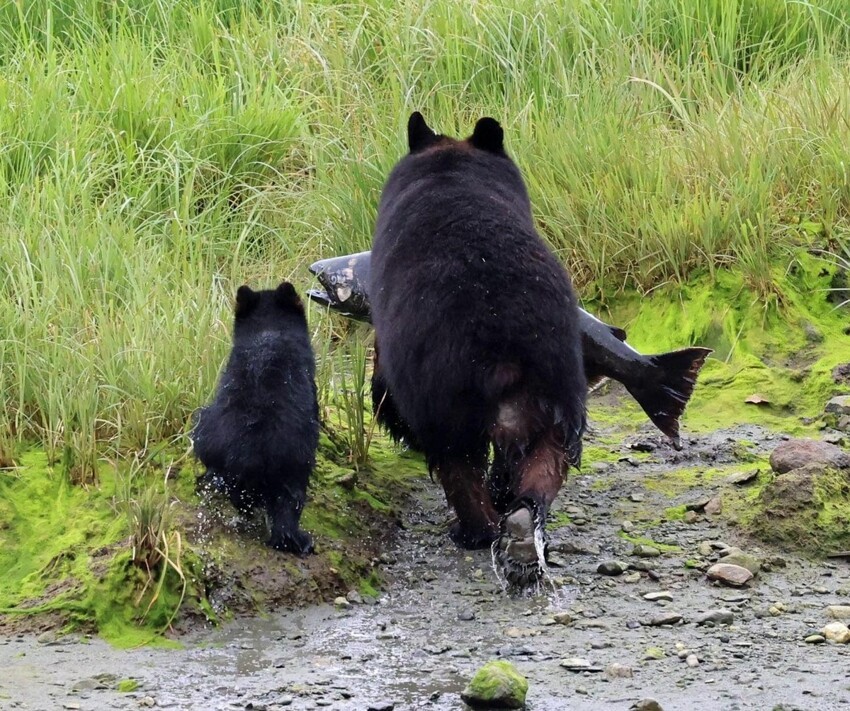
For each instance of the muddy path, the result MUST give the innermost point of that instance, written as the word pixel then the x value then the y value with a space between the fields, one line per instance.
pixel 442 615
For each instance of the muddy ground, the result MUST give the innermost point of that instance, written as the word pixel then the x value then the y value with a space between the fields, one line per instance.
pixel 442 615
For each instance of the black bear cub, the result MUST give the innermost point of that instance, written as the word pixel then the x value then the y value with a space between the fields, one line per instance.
pixel 476 326
pixel 259 436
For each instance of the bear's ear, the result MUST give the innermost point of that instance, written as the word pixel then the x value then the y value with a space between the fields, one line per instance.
pixel 246 300
pixel 488 135
pixel 287 296
pixel 419 136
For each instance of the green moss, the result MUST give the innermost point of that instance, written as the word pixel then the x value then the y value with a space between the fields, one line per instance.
pixel 756 349
pixel 63 550
pixel 125 686
pixel 499 682
pixel 596 453
pixel 675 513
pixel 679 481
pixel 602 483
pixel 807 509
pixel 559 519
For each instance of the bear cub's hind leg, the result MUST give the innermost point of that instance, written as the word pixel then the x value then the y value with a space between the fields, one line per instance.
pixel 285 513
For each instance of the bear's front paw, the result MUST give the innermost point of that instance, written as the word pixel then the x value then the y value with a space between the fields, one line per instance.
pixel 299 542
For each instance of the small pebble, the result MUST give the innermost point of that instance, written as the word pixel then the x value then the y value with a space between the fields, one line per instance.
pixel 659 595
pixel 618 671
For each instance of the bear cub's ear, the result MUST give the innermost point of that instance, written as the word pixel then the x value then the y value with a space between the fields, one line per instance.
pixel 488 135
pixel 246 300
pixel 419 136
pixel 287 296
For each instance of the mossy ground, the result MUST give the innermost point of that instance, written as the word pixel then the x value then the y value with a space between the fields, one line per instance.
pixel 64 558
pixel 66 563
pixel 782 348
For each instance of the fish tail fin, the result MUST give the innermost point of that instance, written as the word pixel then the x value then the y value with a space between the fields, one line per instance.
pixel 664 396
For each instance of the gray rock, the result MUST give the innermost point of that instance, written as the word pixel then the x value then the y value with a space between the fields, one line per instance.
pixel 815 639
pixel 733 575
pixel 841 374
pixel 839 405
pixel 354 597
pixel 618 671
pixel 714 505
pixel 466 615
pixel 742 478
pixel 836 438
pixel 573 546
pixel 705 549
pixel 692 660
pixel 579 664
pixel 341 602
pixel 644 551
pixel 691 517
pixel 612 567
pixel 563 618
pixel 381 706
pixel 796 453
pixel 659 595
pixel 735 556
pixel 838 612
pixel 642 565
pixel 646 705
pixel 627 527
pixel 669 618
pixel 836 632
pixel 715 617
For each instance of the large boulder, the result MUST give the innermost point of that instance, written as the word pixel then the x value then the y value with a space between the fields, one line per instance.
pixel 807 508
pixel 796 453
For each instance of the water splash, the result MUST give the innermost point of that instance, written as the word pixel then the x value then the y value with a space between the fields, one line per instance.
pixel 532 579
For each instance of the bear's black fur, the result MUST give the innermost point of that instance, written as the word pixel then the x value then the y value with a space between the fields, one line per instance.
pixel 259 436
pixel 476 323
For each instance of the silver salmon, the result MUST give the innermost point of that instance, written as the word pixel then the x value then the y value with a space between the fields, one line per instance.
pixel 662 384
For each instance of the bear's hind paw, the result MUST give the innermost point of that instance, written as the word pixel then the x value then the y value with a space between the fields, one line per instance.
pixel 519 551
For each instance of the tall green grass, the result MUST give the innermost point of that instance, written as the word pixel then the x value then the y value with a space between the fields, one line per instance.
pixel 155 154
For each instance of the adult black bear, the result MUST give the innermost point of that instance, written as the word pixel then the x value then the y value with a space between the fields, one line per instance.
pixel 476 327
pixel 259 436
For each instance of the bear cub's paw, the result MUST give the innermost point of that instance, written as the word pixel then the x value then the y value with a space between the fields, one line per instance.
pixel 298 542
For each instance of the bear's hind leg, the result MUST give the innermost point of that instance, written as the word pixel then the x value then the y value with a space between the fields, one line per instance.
pixel 466 492
pixel 541 473
pixel 520 551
